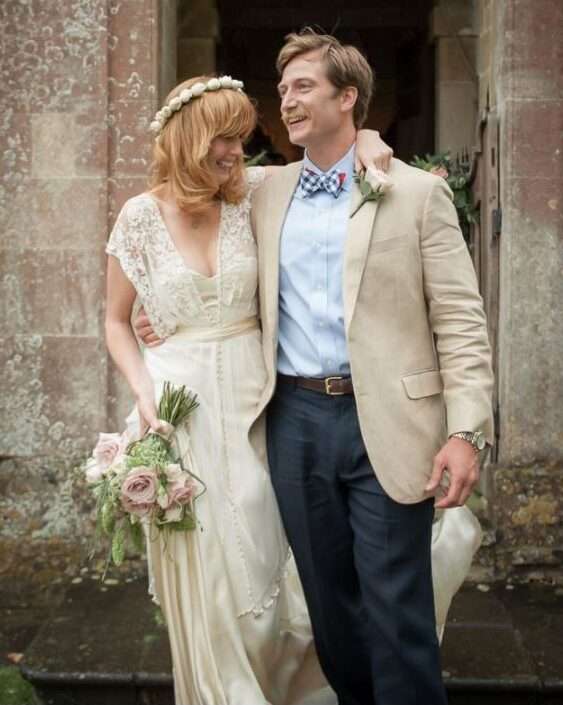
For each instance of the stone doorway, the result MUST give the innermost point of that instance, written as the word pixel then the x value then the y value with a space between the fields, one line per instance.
pixel 243 40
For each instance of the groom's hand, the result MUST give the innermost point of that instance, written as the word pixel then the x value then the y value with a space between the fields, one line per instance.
pixel 461 461
pixel 144 330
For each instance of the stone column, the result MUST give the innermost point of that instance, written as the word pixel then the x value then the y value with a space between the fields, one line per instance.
pixel 455 36
pixel 528 482
pixel 198 30
pixel 81 88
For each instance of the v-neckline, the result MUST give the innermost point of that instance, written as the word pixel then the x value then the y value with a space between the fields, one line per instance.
pixel 177 251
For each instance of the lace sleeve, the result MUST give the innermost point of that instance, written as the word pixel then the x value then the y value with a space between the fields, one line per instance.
pixel 127 243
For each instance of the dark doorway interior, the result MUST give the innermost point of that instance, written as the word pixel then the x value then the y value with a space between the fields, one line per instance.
pixel 393 34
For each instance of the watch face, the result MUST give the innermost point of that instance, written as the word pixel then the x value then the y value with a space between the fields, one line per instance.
pixel 479 439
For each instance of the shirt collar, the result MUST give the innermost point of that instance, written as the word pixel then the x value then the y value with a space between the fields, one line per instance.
pixel 345 165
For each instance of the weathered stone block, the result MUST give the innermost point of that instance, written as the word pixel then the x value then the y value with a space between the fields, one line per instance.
pixel 457 110
pixel 52 292
pixel 54 395
pixel 534 152
pixel 456 58
pixel 131 141
pixel 529 516
pixel 533 54
pixel 131 66
pixel 70 144
pixel 450 17
pixel 39 216
pixel 62 58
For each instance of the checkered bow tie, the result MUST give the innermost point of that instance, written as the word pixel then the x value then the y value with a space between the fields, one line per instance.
pixel 311 182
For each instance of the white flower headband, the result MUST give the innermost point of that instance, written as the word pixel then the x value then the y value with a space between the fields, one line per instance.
pixel 176 103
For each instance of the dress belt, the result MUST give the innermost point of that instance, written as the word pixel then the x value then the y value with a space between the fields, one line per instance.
pixel 333 386
pixel 211 334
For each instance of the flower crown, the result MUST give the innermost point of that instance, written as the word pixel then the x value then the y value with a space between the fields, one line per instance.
pixel 176 103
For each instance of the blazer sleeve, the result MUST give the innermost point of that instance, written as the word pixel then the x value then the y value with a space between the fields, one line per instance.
pixel 456 316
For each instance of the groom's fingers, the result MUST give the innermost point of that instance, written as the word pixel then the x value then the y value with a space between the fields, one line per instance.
pixel 437 471
pixel 452 497
pixel 383 160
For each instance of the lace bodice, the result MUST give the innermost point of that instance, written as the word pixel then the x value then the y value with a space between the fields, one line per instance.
pixel 174 295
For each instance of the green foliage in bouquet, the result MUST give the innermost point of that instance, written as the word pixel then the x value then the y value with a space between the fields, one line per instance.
pixel 145 483
pixel 457 173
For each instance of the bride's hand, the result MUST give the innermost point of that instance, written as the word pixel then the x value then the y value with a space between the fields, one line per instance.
pixel 372 151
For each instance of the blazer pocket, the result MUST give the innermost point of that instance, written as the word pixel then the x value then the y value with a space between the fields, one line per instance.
pixel 389 243
pixel 423 384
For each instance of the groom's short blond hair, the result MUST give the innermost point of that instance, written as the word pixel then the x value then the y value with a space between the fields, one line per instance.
pixel 345 65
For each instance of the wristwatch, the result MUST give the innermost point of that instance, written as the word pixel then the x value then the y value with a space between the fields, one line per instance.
pixel 476 438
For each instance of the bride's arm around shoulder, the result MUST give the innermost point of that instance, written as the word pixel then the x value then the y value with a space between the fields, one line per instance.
pixel 371 151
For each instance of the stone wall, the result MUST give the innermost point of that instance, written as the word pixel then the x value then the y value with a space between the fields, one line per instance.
pixel 81 88
pixel 522 76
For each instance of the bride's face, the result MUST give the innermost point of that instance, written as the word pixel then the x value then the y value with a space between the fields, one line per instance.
pixel 224 154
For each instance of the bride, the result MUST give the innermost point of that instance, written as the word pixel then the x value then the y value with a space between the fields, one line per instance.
pixel 237 620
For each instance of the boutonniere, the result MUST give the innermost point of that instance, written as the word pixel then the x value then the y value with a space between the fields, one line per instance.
pixel 373 185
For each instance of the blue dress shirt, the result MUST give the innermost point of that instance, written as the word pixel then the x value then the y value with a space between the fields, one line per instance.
pixel 312 339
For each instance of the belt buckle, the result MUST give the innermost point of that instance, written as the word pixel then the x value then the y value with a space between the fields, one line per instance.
pixel 327 381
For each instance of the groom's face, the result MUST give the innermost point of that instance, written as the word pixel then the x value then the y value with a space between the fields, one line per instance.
pixel 311 106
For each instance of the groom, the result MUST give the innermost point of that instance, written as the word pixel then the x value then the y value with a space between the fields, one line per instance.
pixel 380 380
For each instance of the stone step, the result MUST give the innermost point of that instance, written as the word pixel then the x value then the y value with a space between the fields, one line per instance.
pixel 107 645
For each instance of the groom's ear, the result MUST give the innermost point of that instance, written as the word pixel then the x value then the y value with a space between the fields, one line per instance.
pixel 348 98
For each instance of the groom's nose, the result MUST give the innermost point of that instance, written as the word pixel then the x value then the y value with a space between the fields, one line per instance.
pixel 287 101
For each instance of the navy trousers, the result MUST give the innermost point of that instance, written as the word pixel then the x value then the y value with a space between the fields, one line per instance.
pixel 363 559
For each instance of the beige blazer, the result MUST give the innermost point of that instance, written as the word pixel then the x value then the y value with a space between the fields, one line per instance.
pixel 415 327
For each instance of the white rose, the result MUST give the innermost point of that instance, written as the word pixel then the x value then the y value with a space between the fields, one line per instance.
pixel 378 180
pixel 213 85
pixel 186 95
pixel 173 513
pixel 175 103
pixel 238 84
pixel 226 82
pixel 94 471
pixel 166 112
pixel 155 126
pixel 198 88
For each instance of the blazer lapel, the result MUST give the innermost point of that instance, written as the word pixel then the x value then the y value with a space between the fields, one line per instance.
pixel 279 199
pixel 360 229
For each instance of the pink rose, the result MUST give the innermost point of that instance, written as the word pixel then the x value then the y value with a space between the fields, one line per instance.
pixel 139 491
pixel 440 171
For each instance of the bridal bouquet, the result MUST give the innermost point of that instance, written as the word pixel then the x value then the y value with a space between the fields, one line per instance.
pixel 143 482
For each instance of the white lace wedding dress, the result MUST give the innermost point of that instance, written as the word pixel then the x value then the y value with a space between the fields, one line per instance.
pixel 236 616
pixel 237 620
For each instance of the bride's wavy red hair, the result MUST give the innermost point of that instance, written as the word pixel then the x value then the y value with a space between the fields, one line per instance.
pixel 180 152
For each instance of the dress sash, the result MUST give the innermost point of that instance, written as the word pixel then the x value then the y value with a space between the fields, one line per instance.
pixel 215 333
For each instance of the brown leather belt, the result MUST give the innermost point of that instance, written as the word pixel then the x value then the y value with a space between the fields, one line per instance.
pixel 333 386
